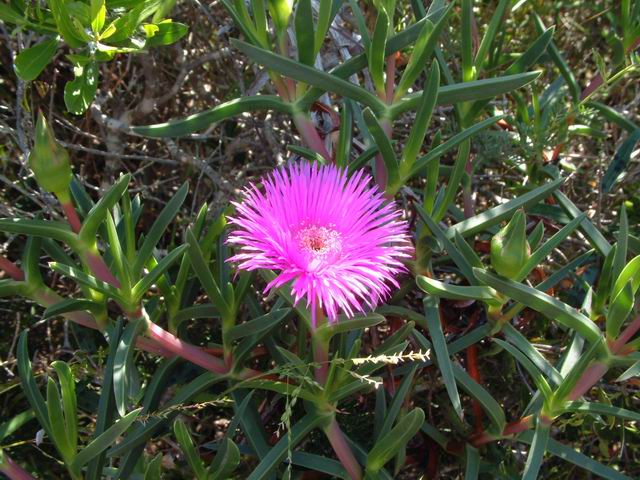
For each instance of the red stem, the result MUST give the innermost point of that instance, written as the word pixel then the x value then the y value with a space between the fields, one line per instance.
pixel 626 335
pixel 11 269
pixel 47 298
pixel 588 379
pixel 310 136
pixel 595 83
pixel 596 370
pixel 291 88
pixel 100 269
pixel 91 258
pixel 512 428
pixel 12 470
pixel 281 88
pixel 194 354
pixel 160 342
pixel 343 450
pixel 434 459
pixel 72 216
pixel 472 364
pixel 149 345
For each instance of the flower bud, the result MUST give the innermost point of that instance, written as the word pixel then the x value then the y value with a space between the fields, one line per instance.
pixel 510 249
pixel 49 161
pixel 280 11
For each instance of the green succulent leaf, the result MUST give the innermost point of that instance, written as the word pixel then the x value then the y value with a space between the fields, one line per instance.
pixel 202 120
pixel 388 445
pixel 549 306
pixel 620 308
pixel 105 440
pixel 278 452
pixel 58 422
pixel 123 364
pixel 568 453
pixel 450 144
pixel 183 436
pixel 159 228
pixel 69 402
pixel 423 50
pixel 468 91
pixel 106 404
pixel 536 374
pixel 29 386
pixel 501 212
pixel 376 51
pixel 432 314
pixel 537 450
pixel 257 325
pixel 489 404
pixel 455 292
pixel 226 460
pixel 160 269
pixel 40 228
pixel 310 75
pixel 98 212
pixel 88 280
pixel 344 325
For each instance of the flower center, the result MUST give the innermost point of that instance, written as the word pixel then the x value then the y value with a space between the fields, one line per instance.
pixel 319 241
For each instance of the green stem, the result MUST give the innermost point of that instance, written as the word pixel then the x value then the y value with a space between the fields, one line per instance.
pixel 228 322
pixel 467 194
pixel 391 80
pixel 321 357
pixel 382 177
pixel 320 345
pixel 454 180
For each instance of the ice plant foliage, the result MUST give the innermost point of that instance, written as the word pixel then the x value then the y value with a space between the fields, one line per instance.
pixel 339 245
pixel 336 238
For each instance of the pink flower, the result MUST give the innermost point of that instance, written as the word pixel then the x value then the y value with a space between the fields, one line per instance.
pixel 335 238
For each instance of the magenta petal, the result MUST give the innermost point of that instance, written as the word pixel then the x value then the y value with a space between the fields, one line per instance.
pixel 335 238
